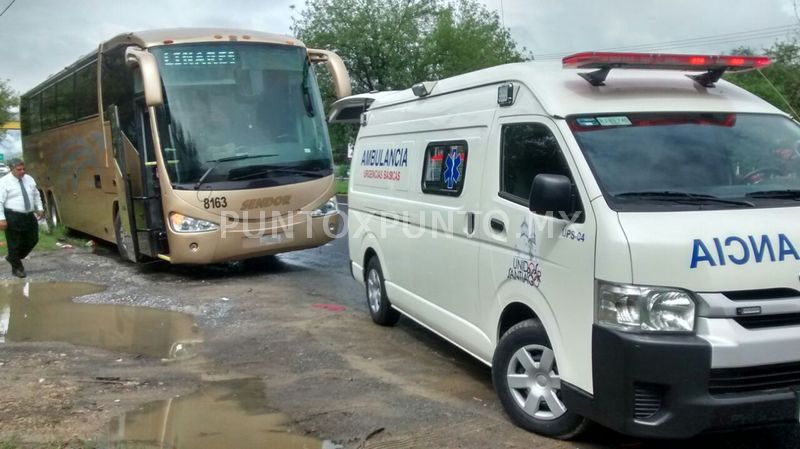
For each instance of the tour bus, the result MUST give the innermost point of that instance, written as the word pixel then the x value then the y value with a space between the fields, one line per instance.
pixel 616 236
pixel 188 145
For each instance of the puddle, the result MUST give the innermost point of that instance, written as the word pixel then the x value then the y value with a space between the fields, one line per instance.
pixel 226 414
pixel 44 311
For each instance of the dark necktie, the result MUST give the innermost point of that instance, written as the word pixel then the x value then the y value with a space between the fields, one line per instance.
pixel 25 196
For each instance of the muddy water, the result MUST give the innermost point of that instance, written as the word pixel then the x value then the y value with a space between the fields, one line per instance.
pixel 226 414
pixel 41 311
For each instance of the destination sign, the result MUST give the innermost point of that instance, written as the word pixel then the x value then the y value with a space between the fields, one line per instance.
pixel 183 58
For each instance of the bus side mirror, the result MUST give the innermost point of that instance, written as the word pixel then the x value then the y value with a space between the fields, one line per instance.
pixel 341 80
pixel 151 80
pixel 551 194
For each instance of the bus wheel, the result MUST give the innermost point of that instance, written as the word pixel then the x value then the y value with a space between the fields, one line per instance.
pixel 53 220
pixel 380 309
pixel 122 248
pixel 525 377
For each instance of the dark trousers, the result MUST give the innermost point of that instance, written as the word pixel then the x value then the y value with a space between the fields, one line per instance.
pixel 22 234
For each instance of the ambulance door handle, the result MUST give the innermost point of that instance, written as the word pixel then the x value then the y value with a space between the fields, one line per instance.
pixel 497 225
pixel 470 222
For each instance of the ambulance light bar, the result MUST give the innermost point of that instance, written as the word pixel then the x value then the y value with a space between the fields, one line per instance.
pixel 713 65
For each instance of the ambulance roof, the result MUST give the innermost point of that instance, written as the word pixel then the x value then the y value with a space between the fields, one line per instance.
pixel 563 92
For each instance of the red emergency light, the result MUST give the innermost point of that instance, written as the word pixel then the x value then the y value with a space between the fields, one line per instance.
pixel 713 65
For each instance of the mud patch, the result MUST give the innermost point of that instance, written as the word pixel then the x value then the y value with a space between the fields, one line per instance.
pixel 222 414
pixel 44 311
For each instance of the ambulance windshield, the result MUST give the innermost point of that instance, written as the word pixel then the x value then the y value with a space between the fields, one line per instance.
pixel 690 161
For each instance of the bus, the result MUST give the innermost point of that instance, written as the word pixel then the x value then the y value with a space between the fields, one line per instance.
pixel 190 145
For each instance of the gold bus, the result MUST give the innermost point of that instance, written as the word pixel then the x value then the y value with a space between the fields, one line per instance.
pixel 189 145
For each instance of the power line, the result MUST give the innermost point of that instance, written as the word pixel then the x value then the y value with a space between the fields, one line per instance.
pixel 683 43
pixel 9 5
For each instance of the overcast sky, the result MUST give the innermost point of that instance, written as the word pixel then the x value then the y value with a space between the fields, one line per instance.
pixel 39 37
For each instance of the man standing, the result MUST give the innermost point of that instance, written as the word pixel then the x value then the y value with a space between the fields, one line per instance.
pixel 20 208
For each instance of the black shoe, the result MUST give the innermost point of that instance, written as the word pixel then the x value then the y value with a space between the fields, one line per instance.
pixel 19 272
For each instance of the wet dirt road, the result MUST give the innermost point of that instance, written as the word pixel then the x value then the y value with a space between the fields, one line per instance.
pixel 279 351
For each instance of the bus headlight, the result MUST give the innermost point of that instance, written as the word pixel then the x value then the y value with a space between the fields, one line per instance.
pixel 329 208
pixel 644 309
pixel 182 223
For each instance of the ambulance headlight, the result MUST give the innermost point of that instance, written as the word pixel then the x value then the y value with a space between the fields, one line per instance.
pixel 644 309
pixel 182 223
pixel 329 208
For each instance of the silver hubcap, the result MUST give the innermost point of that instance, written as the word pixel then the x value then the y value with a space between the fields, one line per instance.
pixel 534 382
pixel 374 291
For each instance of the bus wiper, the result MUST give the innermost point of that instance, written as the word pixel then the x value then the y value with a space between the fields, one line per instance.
pixel 789 194
pixel 676 196
pixel 216 162
pixel 295 171
pixel 307 102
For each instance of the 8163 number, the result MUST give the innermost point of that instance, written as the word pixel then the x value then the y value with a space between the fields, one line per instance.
pixel 215 202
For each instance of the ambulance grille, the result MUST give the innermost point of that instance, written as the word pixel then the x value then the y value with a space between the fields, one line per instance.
pixel 647 400
pixel 765 321
pixel 757 378
pixel 765 293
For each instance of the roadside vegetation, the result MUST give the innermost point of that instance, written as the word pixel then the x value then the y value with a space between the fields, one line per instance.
pixel 392 44
pixel 8 100
pixel 57 239
pixel 779 83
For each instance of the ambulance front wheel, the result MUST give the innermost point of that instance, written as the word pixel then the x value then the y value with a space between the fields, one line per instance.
pixel 380 309
pixel 526 379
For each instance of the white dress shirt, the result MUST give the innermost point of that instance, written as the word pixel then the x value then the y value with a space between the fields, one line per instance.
pixel 11 195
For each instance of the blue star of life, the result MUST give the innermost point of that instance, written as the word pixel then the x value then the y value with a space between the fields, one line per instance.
pixel 452 174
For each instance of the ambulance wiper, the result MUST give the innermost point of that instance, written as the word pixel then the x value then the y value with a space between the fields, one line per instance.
pixel 682 197
pixel 789 194
pixel 216 162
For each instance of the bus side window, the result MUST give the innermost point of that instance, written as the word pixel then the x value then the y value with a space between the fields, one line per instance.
pixel 118 89
pixel 86 91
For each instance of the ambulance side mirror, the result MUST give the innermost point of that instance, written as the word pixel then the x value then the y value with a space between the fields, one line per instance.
pixel 551 194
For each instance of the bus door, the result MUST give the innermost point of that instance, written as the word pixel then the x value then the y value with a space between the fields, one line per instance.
pixel 139 222
pixel 149 205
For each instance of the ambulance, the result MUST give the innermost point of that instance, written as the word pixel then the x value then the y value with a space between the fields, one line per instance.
pixel 617 236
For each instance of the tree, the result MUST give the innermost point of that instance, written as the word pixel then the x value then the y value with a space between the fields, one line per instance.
pixel 779 83
pixel 8 99
pixel 392 44
pixel 466 37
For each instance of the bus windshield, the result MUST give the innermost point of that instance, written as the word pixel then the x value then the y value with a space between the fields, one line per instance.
pixel 240 115
pixel 690 161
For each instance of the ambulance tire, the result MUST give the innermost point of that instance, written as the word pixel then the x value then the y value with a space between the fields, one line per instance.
pixel 532 399
pixel 380 309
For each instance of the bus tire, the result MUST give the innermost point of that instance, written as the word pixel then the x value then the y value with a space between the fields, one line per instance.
pixel 525 377
pixel 380 309
pixel 53 219
pixel 121 248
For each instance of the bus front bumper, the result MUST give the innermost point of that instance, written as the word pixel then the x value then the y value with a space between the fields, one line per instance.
pixel 663 386
pixel 249 240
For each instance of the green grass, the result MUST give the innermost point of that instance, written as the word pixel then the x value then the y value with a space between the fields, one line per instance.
pixel 341 186
pixel 47 242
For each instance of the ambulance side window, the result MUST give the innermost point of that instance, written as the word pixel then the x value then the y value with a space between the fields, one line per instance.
pixel 445 168
pixel 528 149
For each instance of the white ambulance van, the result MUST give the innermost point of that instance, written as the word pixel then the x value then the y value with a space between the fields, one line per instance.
pixel 617 236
